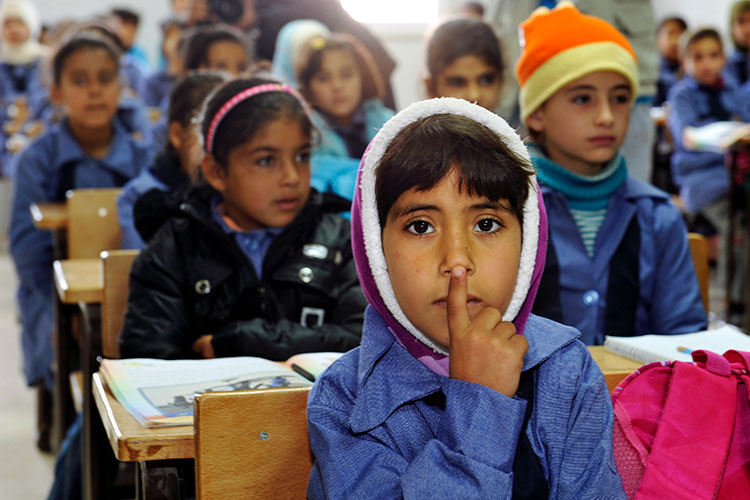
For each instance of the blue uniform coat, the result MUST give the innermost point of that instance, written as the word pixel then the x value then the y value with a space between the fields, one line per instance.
pixel 38 176
pixel 375 433
pixel 669 301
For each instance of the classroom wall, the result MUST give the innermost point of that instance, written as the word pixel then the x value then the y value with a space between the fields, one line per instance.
pixel 151 11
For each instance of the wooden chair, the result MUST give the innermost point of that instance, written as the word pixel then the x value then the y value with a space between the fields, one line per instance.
pixel 699 250
pixel 116 276
pixel 92 222
pixel 252 444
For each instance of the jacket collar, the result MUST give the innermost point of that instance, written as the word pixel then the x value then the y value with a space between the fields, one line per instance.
pixel 119 157
pixel 389 376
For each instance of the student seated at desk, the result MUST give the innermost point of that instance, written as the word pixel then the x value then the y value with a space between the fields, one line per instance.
pixel 88 149
pixel 457 391
pixel 618 262
pixel 176 167
pixel 339 78
pixel 702 97
pixel 255 263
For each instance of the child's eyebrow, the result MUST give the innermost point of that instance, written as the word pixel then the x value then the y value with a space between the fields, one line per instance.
pixel 489 205
pixel 415 208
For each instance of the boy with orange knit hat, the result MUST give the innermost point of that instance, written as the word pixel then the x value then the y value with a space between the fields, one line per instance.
pixel 618 262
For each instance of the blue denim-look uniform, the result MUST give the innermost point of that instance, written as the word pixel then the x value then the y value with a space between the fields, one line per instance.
pixel 738 67
pixel 156 88
pixel 375 434
pixel 25 75
pixel 701 175
pixel 332 170
pixel 38 171
pixel 669 301
pixel 144 181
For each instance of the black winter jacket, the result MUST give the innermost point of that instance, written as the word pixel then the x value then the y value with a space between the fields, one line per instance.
pixel 193 279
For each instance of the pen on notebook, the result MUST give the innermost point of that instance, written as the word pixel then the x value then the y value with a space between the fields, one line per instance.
pixel 685 350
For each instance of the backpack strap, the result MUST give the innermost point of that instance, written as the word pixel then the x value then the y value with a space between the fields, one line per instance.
pixel 702 405
pixel 741 357
pixel 529 480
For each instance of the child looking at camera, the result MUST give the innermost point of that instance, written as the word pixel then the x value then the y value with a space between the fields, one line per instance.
pixel 619 261
pixel 457 391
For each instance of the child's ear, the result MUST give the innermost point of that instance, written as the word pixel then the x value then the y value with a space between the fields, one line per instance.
pixel 535 121
pixel 55 93
pixel 175 134
pixel 429 84
pixel 214 173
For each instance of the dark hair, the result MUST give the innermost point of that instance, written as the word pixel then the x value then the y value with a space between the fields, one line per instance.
pixel 186 99
pixel 311 61
pixel 199 40
pixel 473 8
pixel 249 116
pixel 425 151
pixel 672 19
pixel 460 37
pixel 126 16
pixel 102 26
pixel 692 37
pixel 81 41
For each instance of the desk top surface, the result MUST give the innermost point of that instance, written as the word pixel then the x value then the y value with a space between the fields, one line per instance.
pixel 79 280
pixel 132 442
pixel 49 215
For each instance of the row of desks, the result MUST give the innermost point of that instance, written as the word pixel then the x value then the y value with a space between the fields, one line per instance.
pixel 81 281
pixel 131 442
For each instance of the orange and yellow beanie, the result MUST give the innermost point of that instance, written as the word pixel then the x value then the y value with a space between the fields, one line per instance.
pixel 561 45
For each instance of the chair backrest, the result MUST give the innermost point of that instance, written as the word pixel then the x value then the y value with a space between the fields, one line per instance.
pixel 252 444
pixel 699 250
pixel 92 222
pixel 116 277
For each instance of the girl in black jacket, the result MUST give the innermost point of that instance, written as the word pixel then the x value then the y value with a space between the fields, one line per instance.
pixel 255 263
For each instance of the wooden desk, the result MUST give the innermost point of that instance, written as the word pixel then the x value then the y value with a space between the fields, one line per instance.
pixel 614 366
pixel 79 280
pixel 50 216
pixel 130 441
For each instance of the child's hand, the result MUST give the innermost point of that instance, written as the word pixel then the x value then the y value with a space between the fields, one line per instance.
pixel 485 351
pixel 204 347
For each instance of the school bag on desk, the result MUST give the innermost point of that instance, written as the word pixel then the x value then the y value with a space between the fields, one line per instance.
pixel 682 430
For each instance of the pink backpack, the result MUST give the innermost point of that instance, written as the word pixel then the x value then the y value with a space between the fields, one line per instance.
pixel 682 430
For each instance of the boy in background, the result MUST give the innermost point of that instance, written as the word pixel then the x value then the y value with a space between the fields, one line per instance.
pixel 618 262
pixel 703 97
pixel 668 40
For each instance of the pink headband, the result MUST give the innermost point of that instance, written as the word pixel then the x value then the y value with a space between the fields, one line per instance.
pixel 234 101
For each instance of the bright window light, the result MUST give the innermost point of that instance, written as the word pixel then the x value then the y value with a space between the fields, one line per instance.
pixel 392 11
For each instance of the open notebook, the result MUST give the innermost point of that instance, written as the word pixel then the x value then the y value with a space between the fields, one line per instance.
pixel 650 348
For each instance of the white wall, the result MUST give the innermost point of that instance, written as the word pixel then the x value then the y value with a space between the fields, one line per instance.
pixel 151 12
pixel 713 13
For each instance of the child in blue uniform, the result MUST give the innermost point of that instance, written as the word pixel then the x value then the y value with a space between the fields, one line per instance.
pixel 738 65
pixel 668 39
pixel 619 262
pixel 177 166
pixel 457 391
pixel 702 97
pixel 339 79
pixel 88 149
